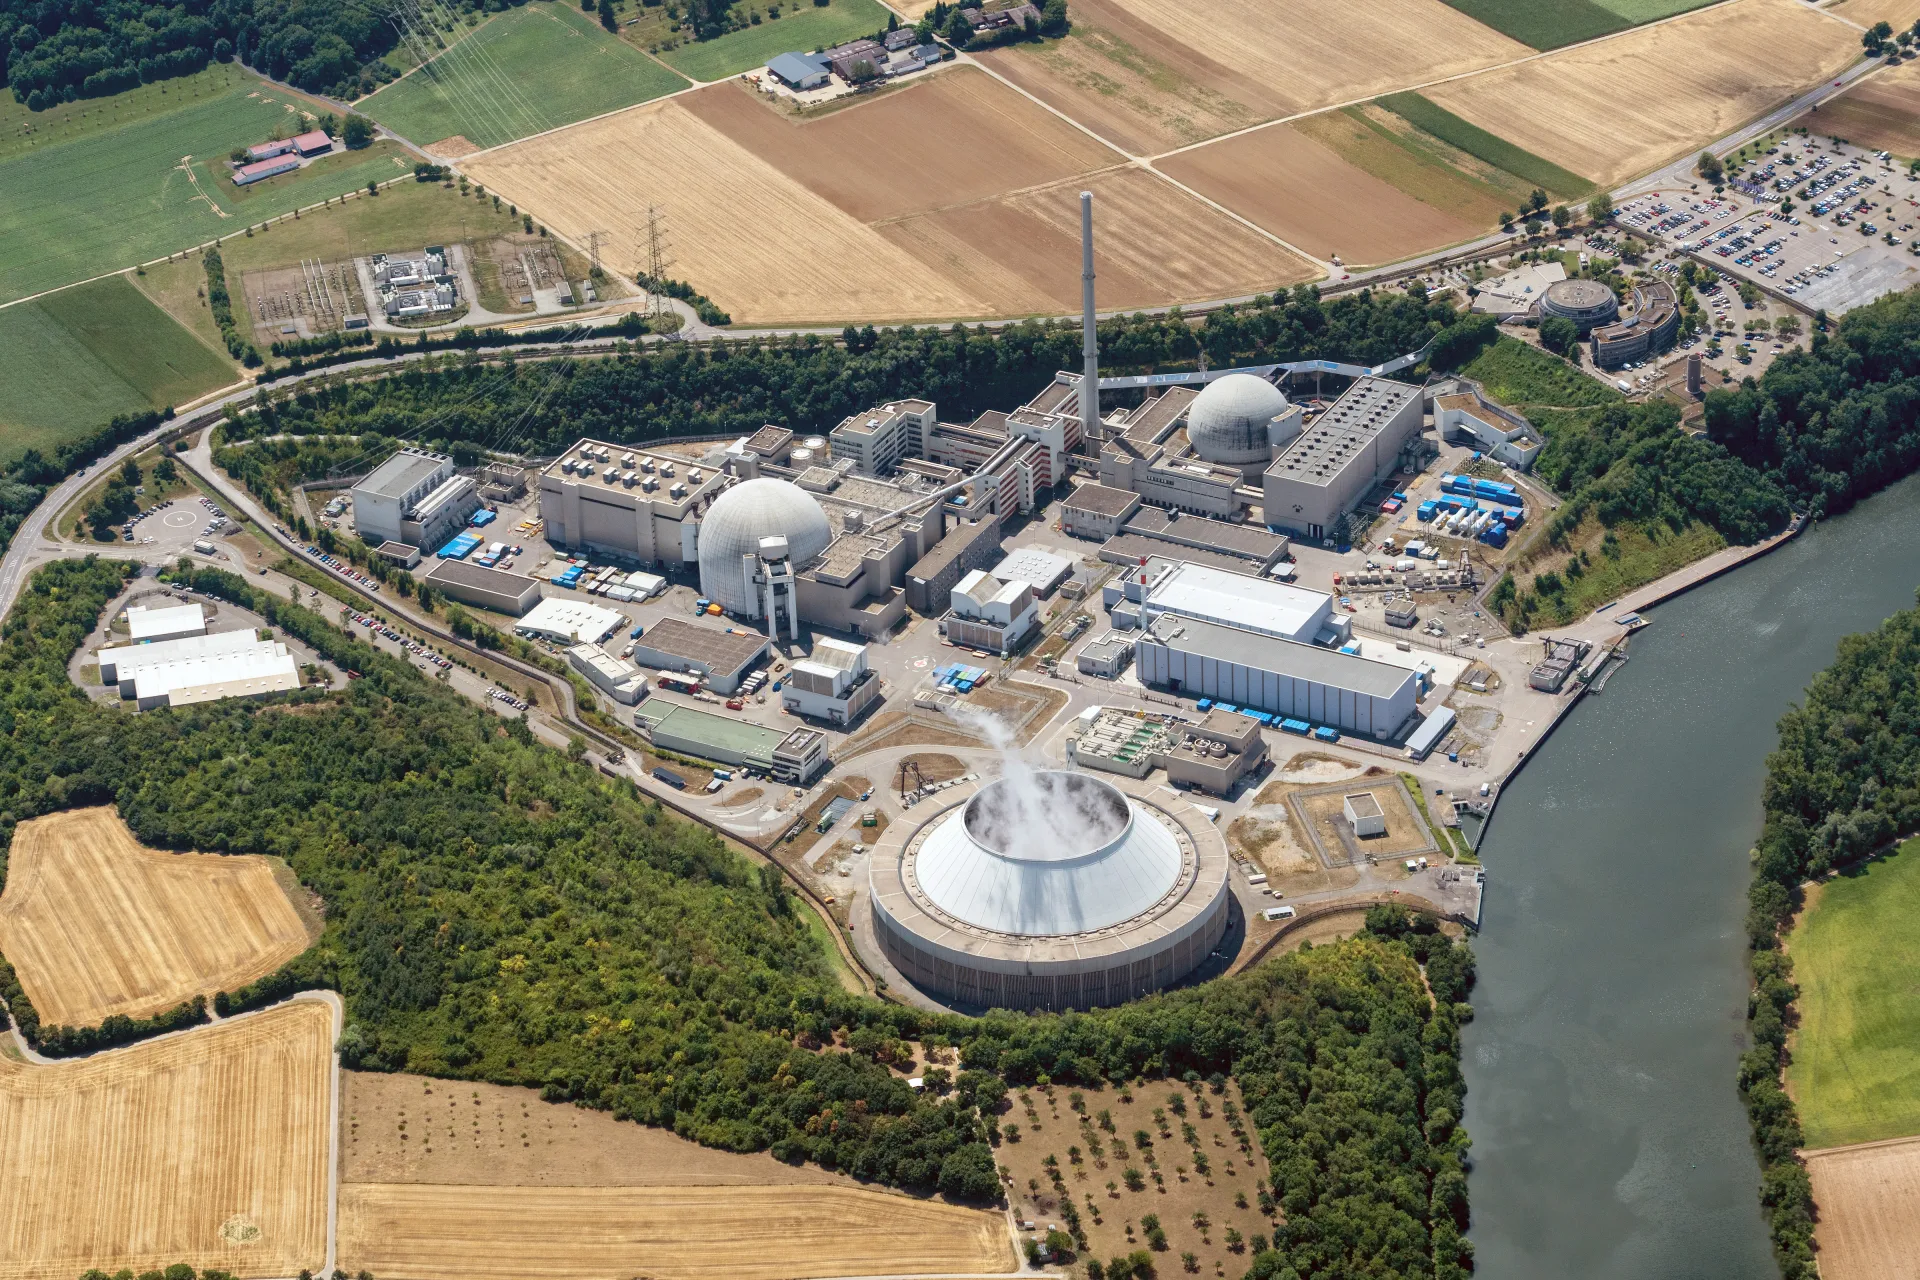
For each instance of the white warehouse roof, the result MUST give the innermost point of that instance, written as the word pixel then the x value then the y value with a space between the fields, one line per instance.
pixel 1237 599
pixel 122 661
pixel 570 621
pixel 165 622
pixel 268 661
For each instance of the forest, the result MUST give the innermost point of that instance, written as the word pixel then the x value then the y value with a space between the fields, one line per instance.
pixel 1843 782
pixel 809 384
pixel 495 911
pixel 59 50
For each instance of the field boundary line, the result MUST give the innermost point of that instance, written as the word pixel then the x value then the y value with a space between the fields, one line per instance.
pixel 1812 1152
pixel 1464 75
pixel 1072 179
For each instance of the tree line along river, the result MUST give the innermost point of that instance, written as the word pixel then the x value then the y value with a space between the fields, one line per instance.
pixel 1608 1137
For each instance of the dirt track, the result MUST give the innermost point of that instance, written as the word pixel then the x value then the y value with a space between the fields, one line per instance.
pixel 97 924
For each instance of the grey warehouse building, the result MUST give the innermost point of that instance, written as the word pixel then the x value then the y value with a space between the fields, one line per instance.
pixel 721 658
pixel 496 589
pixel 1350 448
pixel 1300 681
pixel 415 498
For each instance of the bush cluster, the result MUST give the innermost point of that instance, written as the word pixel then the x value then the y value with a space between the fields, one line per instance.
pixel 220 302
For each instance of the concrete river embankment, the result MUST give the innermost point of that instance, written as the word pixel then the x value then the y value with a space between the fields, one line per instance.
pixel 1608 1138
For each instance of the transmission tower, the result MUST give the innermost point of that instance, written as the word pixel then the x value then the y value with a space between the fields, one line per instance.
pixel 593 252
pixel 658 258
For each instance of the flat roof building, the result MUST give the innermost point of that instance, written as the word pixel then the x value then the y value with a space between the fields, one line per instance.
pixel 1256 546
pixel 1342 454
pixel 119 664
pixel 1095 511
pixel 876 440
pixel 164 622
pixel 1255 604
pixel 832 683
pixel 1300 681
pixel 627 502
pixel 1041 570
pixel 795 757
pixel 1217 753
pixel 721 659
pixel 495 589
pixel 570 621
pixel 414 497
pixel 617 679
pixel 990 614
pixel 969 545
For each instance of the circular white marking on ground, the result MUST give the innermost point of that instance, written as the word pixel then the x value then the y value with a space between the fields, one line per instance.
pixel 179 519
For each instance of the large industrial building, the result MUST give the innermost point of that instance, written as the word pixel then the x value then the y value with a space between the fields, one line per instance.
pixel 1283 677
pixel 795 757
pixel 1359 441
pixel 990 614
pixel 495 589
pixel 832 683
pixel 972 909
pixel 415 498
pixel 625 502
pixel 1259 605
pixel 721 659
pixel 148 623
pixel 188 669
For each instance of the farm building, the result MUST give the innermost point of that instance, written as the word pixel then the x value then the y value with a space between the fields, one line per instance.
pixel 800 71
pixel 314 142
pixel 260 170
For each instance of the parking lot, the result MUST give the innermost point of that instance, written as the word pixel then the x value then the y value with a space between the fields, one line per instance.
pixel 173 525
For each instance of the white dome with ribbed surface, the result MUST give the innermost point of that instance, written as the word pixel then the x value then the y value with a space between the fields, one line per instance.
pixel 739 518
pixel 1227 422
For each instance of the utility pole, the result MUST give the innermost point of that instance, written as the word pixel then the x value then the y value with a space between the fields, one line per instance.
pixel 658 259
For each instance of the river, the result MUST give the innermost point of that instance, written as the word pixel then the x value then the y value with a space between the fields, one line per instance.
pixel 1608 1140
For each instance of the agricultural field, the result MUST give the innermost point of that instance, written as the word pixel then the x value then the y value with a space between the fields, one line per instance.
pixel 519 73
pixel 1564 22
pixel 1364 183
pixel 23 131
pixel 77 357
pixel 1437 122
pixel 1329 206
pixel 1183 1155
pixel 209 1148
pixel 1868 1198
pixel 785 220
pixel 97 924
pixel 1901 13
pixel 1882 112
pixel 421 1231
pixel 801 25
pixel 1621 107
pixel 105 200
pixel 1126 70
pixel 1855 1075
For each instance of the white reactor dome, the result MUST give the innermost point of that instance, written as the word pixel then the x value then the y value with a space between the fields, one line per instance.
pixel 1227 422
pixel 1046 854
pixel 733 526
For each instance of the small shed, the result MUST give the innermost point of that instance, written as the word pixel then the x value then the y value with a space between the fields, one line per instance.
pixel 1363 811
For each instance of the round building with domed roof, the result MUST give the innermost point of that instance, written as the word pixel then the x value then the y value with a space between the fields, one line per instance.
pixel 734 526
pixel 1128 898
pixel 1231 421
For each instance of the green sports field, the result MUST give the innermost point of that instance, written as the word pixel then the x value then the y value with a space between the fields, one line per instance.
pixel 798 29
pixel 1856 958
pixel 106 200
pixel 1550 24
pixel 76 358
pixel 524 72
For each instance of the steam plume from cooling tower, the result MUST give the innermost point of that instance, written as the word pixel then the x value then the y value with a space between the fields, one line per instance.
pixel 1033 813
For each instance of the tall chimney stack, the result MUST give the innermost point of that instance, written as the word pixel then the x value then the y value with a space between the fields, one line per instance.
pixel 1089 341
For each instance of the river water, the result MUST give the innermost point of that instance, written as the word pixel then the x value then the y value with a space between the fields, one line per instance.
pixel 1608 1140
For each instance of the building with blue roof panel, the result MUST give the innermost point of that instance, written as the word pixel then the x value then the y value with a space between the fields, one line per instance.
pixel 799 71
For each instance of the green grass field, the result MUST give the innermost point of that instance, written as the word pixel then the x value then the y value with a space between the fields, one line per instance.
pixel 76 358
pixel 104 201
pixel 799 29
pixel 1550 24
pixel 1516 374
pixel 1856 1055
pixel 524 72
pixel 1480 144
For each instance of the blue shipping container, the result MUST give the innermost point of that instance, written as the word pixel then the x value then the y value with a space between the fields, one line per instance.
pixel 1203 704
pixel 482 518
pixel 1300 727
pixel 1327 733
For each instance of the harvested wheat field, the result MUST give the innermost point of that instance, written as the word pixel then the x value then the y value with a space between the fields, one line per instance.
pixel 1623 106
pixel 755 241
pixel 992 141
pixel 986 225
pixel 1868 1198
pixel 96 923
pixel 1901 13
pixel 1883 113
pixel 209 1147
pixel 1325 206
pixel 420 1231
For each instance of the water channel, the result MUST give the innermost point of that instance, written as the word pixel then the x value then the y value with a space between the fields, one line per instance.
pixel 1608 1140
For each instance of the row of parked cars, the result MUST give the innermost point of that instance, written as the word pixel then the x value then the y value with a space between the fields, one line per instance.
pixel 412 646
pixel 343 568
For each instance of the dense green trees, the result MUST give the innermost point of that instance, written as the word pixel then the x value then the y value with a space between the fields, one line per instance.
pixel 59 50
pixel 1844 781
pixel 497 912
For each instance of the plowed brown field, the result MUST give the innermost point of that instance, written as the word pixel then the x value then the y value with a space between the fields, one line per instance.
pixel 853 216
pixel 1154 74
pixel 208 1147
pixel 1868 1198
pixel 1624 106
pixel 417 1231
pixel 97 924
pixel 1883 113
pixel 1323 204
